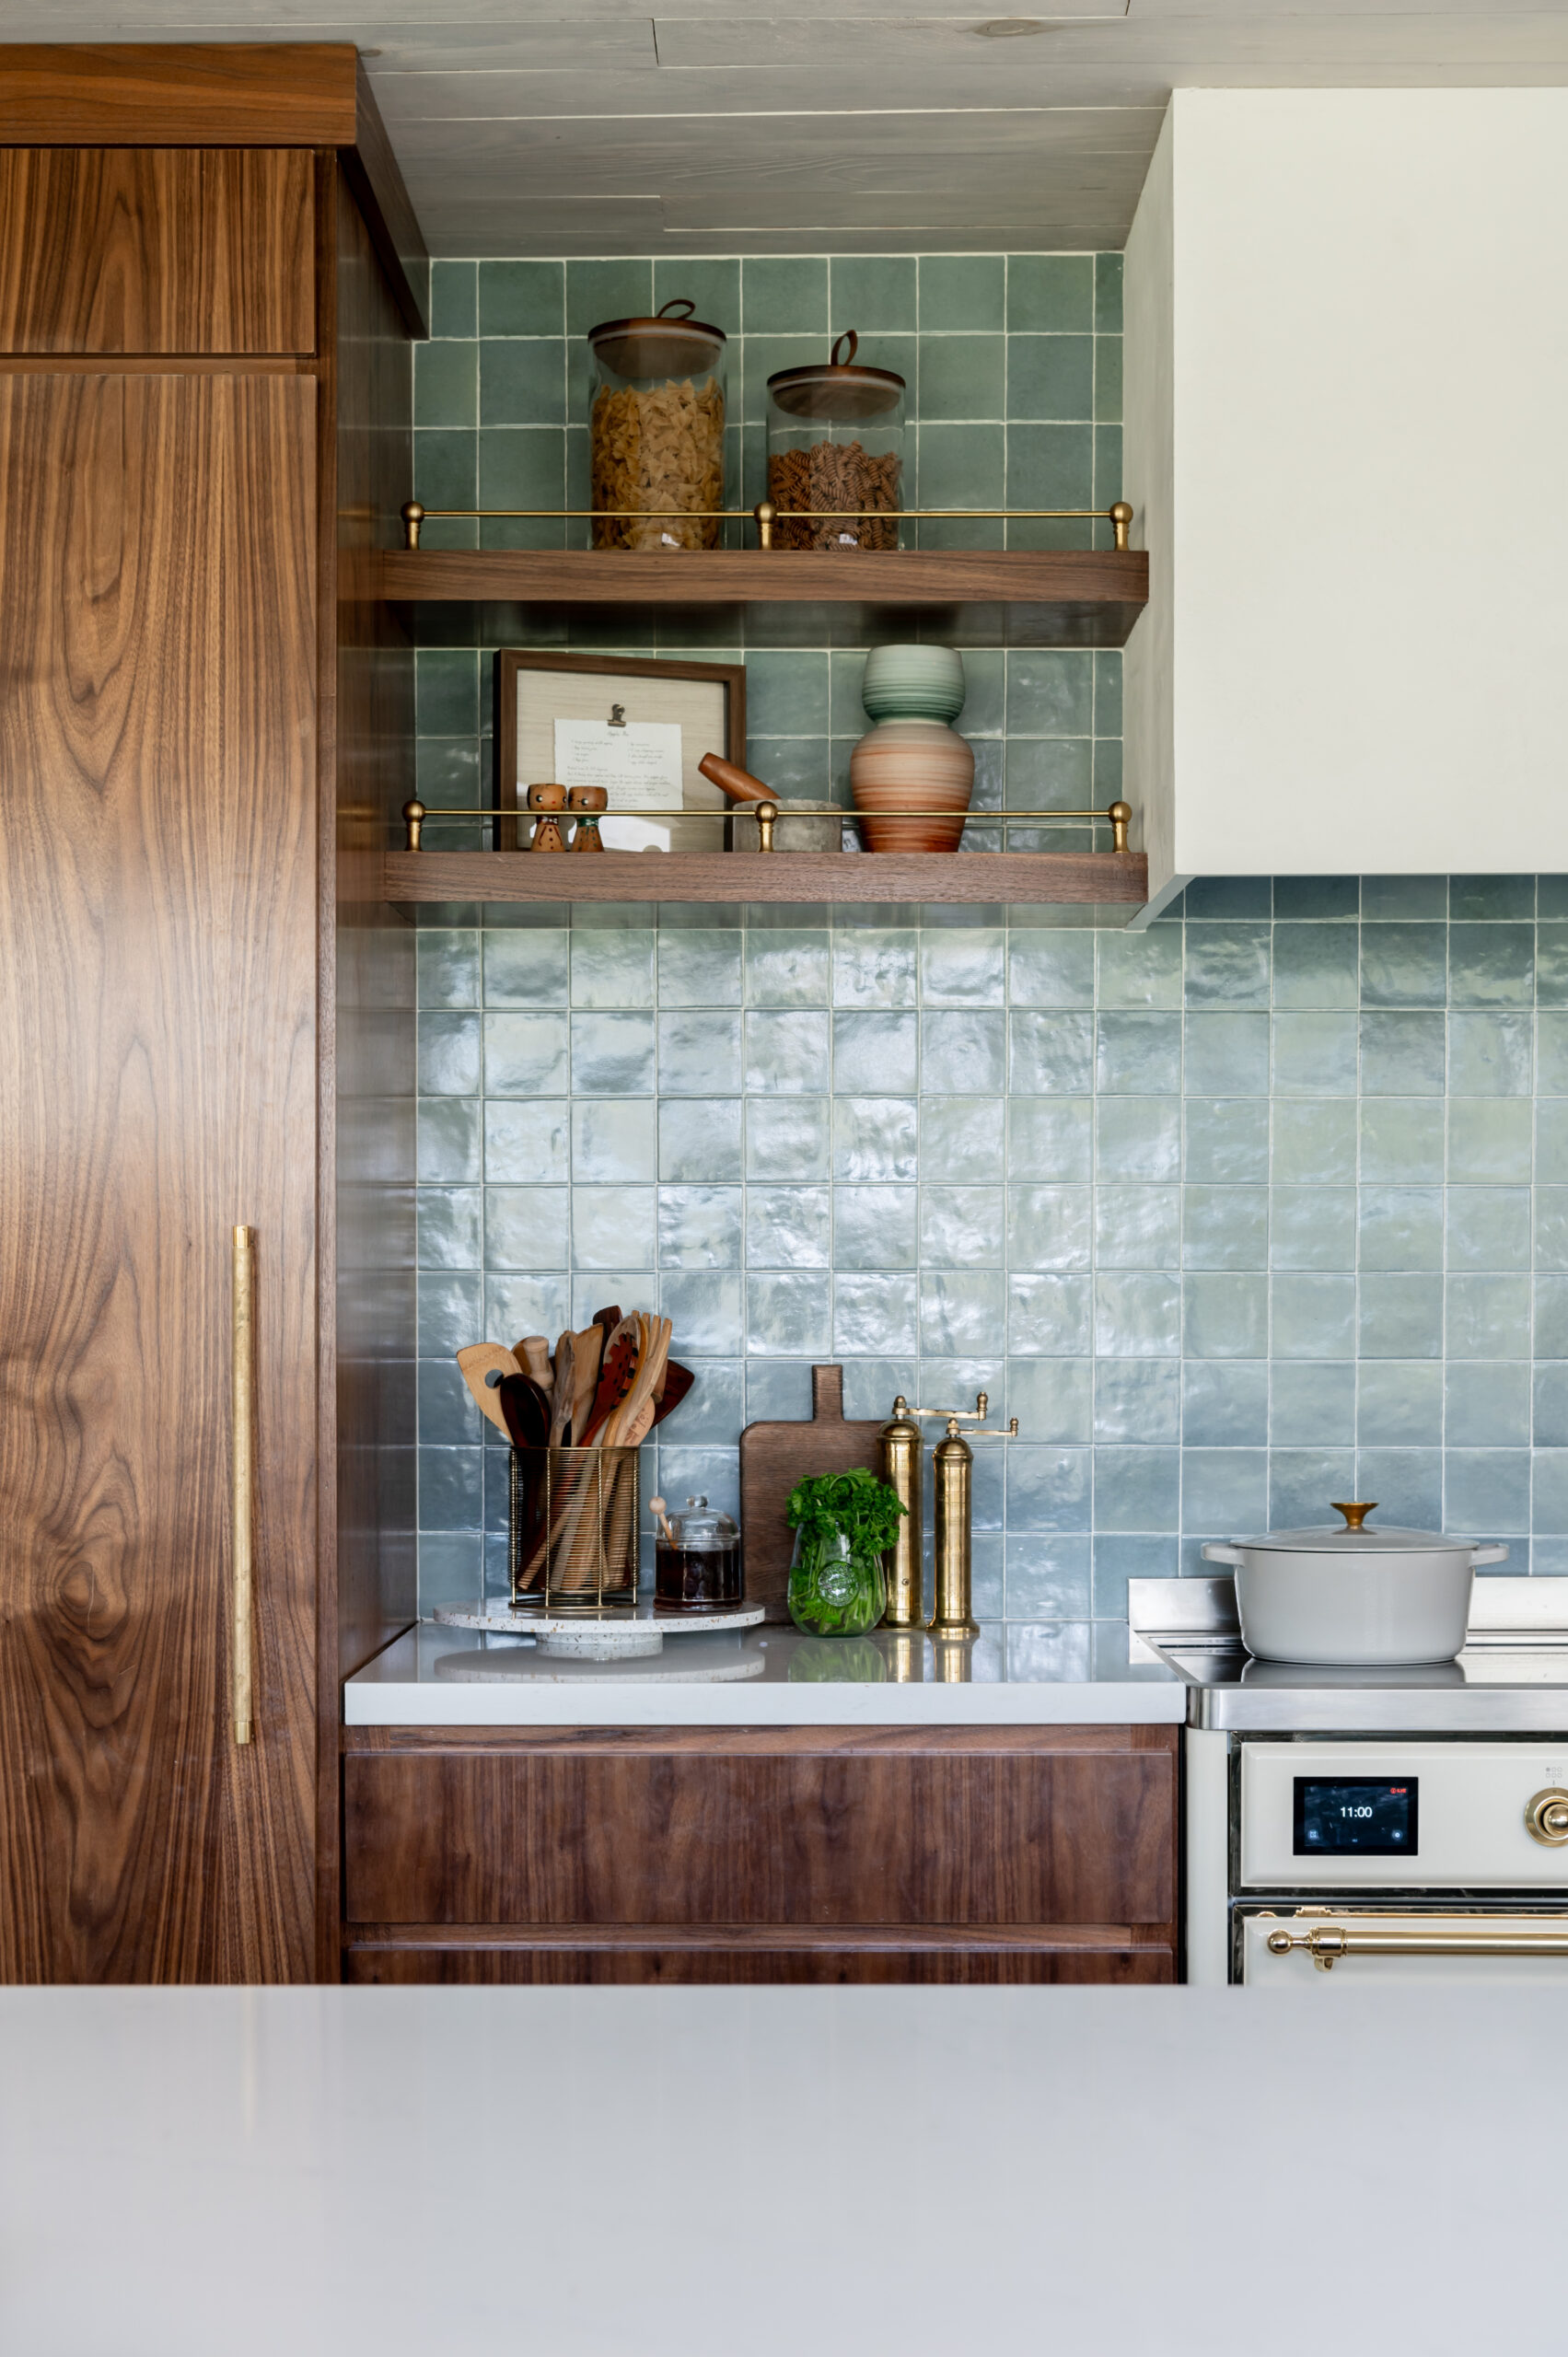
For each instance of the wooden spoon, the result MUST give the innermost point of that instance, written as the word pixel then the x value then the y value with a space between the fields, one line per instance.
pixel 527 1411
pixel 678 1382
pixel 478 1361
pixel 532 1354
pixel 587 1349
pixel 616 1377
pixel 564 1394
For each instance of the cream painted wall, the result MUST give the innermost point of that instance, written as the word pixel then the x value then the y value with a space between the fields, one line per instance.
pixel 1353 488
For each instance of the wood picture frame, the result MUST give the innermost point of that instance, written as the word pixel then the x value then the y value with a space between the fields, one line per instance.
pixel 589 685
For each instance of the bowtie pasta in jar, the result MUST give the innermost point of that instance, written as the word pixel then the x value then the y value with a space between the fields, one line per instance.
pixel 656 431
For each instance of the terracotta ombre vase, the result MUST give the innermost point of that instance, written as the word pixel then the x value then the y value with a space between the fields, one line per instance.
pixel 911 760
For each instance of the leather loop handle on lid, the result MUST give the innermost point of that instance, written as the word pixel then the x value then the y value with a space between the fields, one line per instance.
pixel 679 306
pixel 1354 1515
pixel 849 337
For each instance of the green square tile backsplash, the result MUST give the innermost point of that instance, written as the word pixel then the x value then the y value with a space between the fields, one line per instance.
pixel 1264 1206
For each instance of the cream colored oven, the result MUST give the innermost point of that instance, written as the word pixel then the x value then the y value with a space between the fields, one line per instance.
pixel 1356 1863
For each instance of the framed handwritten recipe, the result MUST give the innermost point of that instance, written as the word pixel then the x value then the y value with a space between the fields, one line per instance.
pixel 637 729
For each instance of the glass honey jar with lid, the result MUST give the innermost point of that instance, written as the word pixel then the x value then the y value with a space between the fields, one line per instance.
pixel 697 1565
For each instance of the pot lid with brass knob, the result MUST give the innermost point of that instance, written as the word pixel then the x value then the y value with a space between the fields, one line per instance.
pixel 1356 1536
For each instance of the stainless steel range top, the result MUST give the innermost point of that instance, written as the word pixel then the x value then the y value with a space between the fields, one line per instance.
pixel 1512 1677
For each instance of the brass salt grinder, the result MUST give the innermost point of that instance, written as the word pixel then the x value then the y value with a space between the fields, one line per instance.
pixel 953 1471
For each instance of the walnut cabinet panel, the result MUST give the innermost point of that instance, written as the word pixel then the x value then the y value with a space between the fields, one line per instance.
pixel 1042 1853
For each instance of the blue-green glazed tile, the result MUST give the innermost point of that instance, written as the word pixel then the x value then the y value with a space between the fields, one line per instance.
pixel 1055 294
pixel 1313 1403
pixel 1051 1055
pixel 1402 1055
pixel 1490 1055
pixel 1549 1317
pixel 1492 899
pixel 789 967
pixel 450 1314
pixel 1049 969
pixel 1227 965
pixel 963 1051
pixel 1048 1580
pixel 787 1138
pixel 962 292
pixel 1487 1404
pixel 1107 380
pixel 1300 898
pixel 1107 293
pixel 614 1140
pixel 1227 1139
pixel 963 968
pixel 446 474
pixel 529 1228
pixel 1489 1139
pixel 1408 1483
pixel 1551 965
pixel 1400 1403
pixel 1048 774
pixel 875 1227
pixel 1138 1054
pixel 526 970
pixel 1549 1489
pixel 786 294
pixel 1048 1489
pixel 1137 1314
pixel 1404 898
pixel 610 970
pixel 524 298
pixel 448 1055
pixel 1550 1227
pixel 1552 1139
pixel 1401 1227
pixel 876 969
pixel 962 466
pixel 1299 1480
pixel 1226 1055
pixel 876 1313
pixel 1137 1489
pixel 963 377
pixel 704 1305
pixel 1048 466
pixel 1136 1228
pixel 1136 1137
pixel 1134 1400
pixel 1402 1139
pixel 786 1053
pixel 446 1414
pixel 1055 377
pixel 450 1227
pixel 599 291
pixel 875 1054
pixel 1552 899
pixel 789 1228
pixel 1312 1228
pixel 1488 1317
pixel 1314 965
pixel 1552 1036
pixel 1120 1559
pixel 522 467
pixel 1225 1403
pixel 1225 1490
pixel 448 970
pixel 1490 964
pixel 1489 1227
pixel 447 1133
pixel 612 1055
pixel 1049 691
pixel 1108 692
pixel 1050 1317
pixel 1229 898
pixel 1225 1316
pixel 454 298
pixel 700 967
pixel 1548 1427
pixel 1486 1491
pixel 1137 970
pixel 446 383
pixel 786 693
pixel 699 1052
pixel 446 691
pixel 961 1311
pixel 1312 1315
pixel 522 382
pixel 873 294
pixel 614 1228
pixel 788 1316
pixel 1225 1227
pixel 876 1138
pixel 1404 965
pixel 1401 1316
pixel 528 1141
pixel 712 287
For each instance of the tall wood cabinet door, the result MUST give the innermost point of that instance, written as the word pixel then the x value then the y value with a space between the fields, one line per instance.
pixel 158 1086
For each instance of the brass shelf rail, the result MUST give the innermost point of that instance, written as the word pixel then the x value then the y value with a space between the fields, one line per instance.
pixel 1117 816
pixel 766 516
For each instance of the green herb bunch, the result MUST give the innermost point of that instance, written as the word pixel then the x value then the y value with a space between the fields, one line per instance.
pixel 843 1521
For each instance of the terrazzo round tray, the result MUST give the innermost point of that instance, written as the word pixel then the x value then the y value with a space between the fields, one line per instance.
pixel 601 1636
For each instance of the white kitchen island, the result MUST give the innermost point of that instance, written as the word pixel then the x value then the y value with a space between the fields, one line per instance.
pixel 729 2173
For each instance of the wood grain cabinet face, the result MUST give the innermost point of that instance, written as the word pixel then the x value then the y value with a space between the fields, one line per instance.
pixel 140 251
pixel 925 1853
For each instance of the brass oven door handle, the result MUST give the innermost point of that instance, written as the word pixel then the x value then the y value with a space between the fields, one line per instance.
pixel 1328 1943
pixel 243 1476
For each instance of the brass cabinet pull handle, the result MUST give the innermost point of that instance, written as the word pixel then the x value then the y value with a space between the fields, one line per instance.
pixel 1546 1817
pixel 243 1475
pixel 1326 1943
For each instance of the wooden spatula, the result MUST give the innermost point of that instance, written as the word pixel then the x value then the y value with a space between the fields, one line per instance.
pixel 532 1354
pixel 566 1392
pixel 587 1349
pixel 616 1377
pixel 478 1361
pixel 678 1382
pixel 527 1411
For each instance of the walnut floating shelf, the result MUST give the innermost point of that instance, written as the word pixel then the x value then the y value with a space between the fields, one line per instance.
pixel 1039 877
pixel 1054 597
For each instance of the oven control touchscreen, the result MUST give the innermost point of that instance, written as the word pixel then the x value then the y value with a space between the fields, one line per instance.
pixel 1378 1819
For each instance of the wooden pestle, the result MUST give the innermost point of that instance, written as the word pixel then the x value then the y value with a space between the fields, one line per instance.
pixel 738 783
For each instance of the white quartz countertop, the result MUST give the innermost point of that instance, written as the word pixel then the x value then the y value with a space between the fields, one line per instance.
pixel 1017 1673
pixel 754 2173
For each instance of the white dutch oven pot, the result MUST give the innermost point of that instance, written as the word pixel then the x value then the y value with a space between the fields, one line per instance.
pixel 1354 1596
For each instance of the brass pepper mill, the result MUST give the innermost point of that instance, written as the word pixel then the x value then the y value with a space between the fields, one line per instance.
pixel 952 1464
pixel 901 1451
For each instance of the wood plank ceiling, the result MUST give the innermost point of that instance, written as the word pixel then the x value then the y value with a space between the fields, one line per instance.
pixel 535 126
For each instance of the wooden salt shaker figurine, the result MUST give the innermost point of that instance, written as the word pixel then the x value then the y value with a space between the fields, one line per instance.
pixel 546 800
pixel 585 802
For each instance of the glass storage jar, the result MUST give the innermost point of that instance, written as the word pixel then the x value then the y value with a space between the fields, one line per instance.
pixel 835 1591
pixel 836 444
pixel 697 1565
pixel 655 431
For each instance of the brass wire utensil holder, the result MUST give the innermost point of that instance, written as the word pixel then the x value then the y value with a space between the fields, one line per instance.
pixel 572 1530
pixel 765 515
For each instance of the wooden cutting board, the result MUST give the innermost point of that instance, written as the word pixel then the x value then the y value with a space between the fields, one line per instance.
pixel 773 1458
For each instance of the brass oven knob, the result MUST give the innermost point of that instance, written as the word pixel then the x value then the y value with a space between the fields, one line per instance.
pixel 1546 1817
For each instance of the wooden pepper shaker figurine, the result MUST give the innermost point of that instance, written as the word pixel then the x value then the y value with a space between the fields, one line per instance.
pixel 547 800
pixel 585 802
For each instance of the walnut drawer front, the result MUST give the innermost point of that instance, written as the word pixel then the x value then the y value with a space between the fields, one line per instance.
pixel 741 1827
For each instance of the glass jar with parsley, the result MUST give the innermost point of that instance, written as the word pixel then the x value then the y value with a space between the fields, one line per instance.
pixel 843 1522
